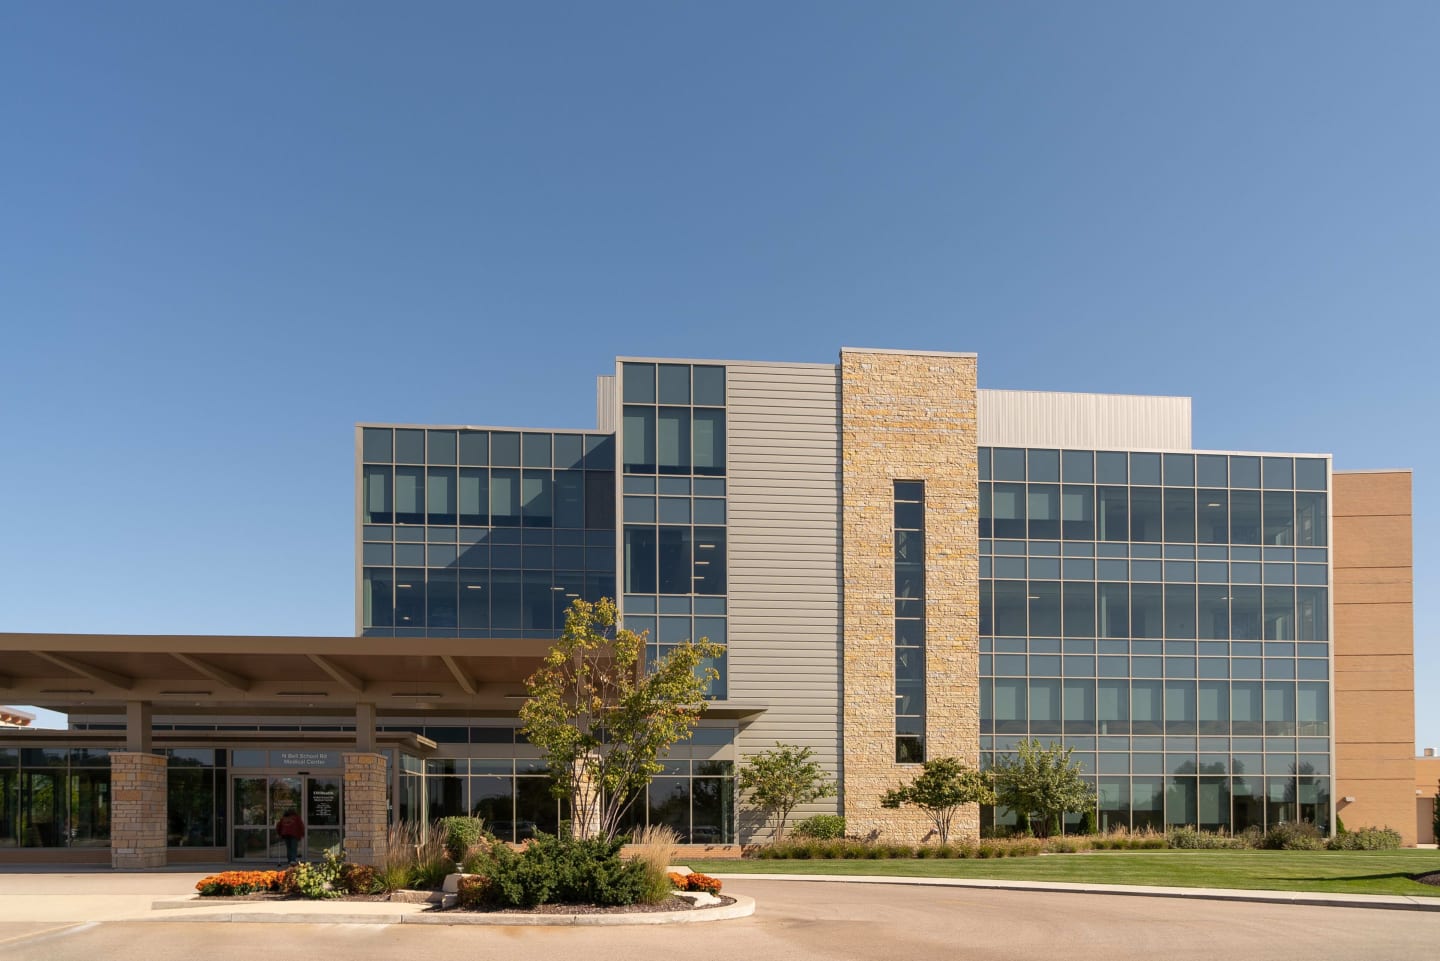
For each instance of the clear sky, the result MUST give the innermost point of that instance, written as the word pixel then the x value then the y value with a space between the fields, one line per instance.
pixel 230 231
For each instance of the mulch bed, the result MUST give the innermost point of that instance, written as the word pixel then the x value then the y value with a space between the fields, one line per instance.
pixel 1432 878
pixel 276 896
pixel 669 904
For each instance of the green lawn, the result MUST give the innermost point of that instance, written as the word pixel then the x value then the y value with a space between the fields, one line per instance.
pixel 1345 872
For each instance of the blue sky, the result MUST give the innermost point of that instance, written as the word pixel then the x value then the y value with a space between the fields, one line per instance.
pixel 230 231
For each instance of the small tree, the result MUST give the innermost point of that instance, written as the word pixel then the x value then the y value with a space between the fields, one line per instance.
pixel 1435 813
pixel 944 786
pixel 602 719
pixel 780 780
pixel 1042 782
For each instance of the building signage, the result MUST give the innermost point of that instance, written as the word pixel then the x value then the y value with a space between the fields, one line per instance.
pixel 304 759
pixel 322 806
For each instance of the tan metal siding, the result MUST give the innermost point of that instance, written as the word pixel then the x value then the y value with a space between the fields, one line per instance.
pixel 1034 418
pixel 783 453
pixel 605 406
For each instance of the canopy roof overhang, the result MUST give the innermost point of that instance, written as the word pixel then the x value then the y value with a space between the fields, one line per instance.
pixel 238 674
pixel 408 741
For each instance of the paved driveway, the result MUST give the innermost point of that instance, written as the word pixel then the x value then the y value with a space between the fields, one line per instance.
pixel 795 920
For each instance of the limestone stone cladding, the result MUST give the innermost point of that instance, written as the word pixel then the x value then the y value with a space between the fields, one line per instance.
pixel 137 810
pixel 1374 650
pixel 365 818
pixel 907 416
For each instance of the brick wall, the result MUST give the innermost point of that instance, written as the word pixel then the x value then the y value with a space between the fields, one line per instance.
pixel 1374 651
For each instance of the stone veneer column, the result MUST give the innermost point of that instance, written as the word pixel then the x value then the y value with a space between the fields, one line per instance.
pixel 137 810
pixel 908 416
pixel 366 823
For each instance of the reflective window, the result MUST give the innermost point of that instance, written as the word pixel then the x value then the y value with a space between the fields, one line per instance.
pixel 410 446
pixel 440 446
pixel 375 444
pixel 1078 512
pixel 1078 466
pixel 709 440
pixel 376 494
pixel 639 433
pixel 1310 473
pixel 1145 514
pixel 673 439
pixel 410 495
pixel 709 385
pixel 638 383
pixel 1179 470
pixel 674 384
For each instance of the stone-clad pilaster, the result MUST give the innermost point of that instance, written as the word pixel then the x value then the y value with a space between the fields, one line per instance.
pixel 365 816
pixel 137 810
pixel 908 416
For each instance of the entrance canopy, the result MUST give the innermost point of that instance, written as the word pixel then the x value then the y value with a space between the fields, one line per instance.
pixel 248 675
pixel 240 674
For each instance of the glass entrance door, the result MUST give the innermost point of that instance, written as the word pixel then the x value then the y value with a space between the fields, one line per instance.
pixel 252 830
pixel 261 800
pixel 322 814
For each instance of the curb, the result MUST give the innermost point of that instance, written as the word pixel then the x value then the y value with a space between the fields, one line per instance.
pixel 1389 902
pixel 742 908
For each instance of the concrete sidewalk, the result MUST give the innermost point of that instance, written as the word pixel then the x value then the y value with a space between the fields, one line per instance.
pixel 59 899
pixel 1394 902
pixel 92 896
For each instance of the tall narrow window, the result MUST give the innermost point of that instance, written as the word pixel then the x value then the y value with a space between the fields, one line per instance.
pixel 909 622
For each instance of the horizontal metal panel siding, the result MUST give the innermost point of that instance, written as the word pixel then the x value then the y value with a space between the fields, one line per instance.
pixel 1033 418
pixel 605 403
pixel 783 450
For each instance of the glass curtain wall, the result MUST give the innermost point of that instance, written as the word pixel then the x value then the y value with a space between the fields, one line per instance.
pixel 674 567
pixel 477 533
pixel 1165 615
pixel 694 794
pixel 54 797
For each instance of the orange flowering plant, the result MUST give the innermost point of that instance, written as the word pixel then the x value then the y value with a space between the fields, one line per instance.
pixel 702 882
pixel 239 882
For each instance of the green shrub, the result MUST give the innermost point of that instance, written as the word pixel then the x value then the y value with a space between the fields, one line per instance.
pixel 358 879
pixel 822 827
pixel 473 891
pixel 555 870
pixel 461 834
pixel 1189 838
pixel 1366 839
pixel 1293 836
pixel 316 881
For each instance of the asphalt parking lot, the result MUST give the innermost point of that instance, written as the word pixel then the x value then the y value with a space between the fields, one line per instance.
pixel 59 918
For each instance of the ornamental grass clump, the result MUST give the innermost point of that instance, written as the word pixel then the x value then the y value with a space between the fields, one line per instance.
pixel 654 847
pixel 432 859
pixel 415 856
pixel 461 834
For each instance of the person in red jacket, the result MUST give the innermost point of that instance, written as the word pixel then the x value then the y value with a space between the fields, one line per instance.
pixel 292 829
